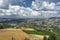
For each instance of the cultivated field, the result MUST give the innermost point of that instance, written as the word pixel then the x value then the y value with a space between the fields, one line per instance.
pixel 15 34
pixel 19 34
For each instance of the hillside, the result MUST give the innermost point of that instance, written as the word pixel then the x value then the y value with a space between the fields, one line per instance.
pixel 15 34
pixel 53 22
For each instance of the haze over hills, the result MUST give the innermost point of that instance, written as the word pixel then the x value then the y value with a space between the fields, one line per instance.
pixel 50 22
pixel 17 19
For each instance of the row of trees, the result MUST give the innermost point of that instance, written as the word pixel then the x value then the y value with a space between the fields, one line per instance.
pixel 51 37
pixel 2 26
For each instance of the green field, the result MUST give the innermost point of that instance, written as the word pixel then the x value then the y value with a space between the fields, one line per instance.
pixel 38 32
pixel 58 33
pixel 44 32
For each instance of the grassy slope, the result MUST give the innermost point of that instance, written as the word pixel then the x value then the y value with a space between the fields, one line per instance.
pixel 58 33
pixel 44 32
pixel 38 32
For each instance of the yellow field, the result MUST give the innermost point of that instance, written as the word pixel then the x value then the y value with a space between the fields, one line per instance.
pixel 17 34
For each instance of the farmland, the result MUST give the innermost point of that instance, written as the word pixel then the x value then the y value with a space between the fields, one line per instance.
pixel 16 34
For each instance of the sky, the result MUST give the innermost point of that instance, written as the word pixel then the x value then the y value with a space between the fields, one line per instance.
pixel 29 8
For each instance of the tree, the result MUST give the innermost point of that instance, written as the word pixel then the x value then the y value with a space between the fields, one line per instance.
pixel 1 27
pixel 45 38
pixel 52 37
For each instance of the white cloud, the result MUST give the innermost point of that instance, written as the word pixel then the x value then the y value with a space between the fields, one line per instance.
pixel 41 5
pixel 20 11
pixel 49 9
pixel 17 0
pixel 51 6
pixel 57 6
pixel 58 3
pixel 47 14
pixel 4 3
pixel 35 11
pixel 1 2
pixel 24 15
pixel 35 5
pixel 48 6
pixel 1 14
pixel 45 4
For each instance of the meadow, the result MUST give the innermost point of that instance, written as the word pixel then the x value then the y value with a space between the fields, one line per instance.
pixel 44 32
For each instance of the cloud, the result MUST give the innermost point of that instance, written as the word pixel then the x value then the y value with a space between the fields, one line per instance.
pixel 36 5
pixel 48 6
pixel 17 0
pixel 45 8
pixel 58 4
pixel 38 9
pixel 1 2
pixel 22 12
pixel 4 4
pixel 47 14
pixel 44 4
pixel 19 11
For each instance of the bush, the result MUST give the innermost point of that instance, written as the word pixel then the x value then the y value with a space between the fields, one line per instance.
pixel 45 38
pixel 52 37
pixel 1 27
pixel 26 39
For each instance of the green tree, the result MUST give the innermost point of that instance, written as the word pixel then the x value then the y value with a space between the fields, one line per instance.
pixel 1 27
pixel 52 37
pixel 45 38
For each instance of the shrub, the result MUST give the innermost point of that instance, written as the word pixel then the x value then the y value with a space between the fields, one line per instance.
pixel 45 37
pixel 26 39
pixel 52 37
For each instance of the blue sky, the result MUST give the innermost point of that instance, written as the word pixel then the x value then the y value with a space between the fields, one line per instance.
pixel 29 8
pixel 25 3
